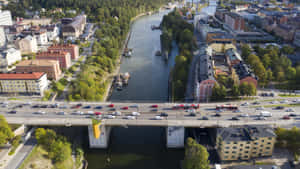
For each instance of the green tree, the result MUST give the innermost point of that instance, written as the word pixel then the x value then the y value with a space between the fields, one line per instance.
pixel 218 92
pixel 6 133
pixel 246 51
pixel 235 91
pixel 196 156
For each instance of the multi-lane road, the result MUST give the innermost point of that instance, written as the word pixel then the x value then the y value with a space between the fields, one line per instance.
pixel 68 114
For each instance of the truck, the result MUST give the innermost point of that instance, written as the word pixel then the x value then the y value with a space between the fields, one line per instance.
pixel 265 114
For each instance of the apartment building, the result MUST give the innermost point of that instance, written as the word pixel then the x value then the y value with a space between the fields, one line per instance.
pixel 23 83
pixel 64 58
pixel 219 37
pixel 51 67
pixel 5 18
pixel 38 33
pixel 73 27
pixel 27 44
pixel 245 143
pixel 9 57
pixel 70 48
pixel 235 22
pixel 296 41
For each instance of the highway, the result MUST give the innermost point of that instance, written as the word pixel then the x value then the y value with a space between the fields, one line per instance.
pixel 27 114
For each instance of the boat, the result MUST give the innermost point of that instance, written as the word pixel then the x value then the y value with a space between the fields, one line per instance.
pixel 125 77
pixel 153 27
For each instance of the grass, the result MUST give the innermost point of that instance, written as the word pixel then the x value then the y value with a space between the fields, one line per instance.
pixel 264 163
pixel 276 105
pixel 288 95
pixel 14 126
pixel 67 163
pixel 28 159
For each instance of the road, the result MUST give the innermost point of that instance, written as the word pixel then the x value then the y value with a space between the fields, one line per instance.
pixel 176 117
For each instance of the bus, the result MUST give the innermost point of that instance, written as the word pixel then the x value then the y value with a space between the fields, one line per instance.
pixel 227 107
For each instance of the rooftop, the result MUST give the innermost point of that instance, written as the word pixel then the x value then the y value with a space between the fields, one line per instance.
pixel 37 62
pixel 21 76
pixel 254 167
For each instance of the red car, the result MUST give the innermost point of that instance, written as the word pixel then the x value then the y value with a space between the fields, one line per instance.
pixel 286 117
pixel 154 106
pixel 97 113
pixel 125 108
pixel 111 105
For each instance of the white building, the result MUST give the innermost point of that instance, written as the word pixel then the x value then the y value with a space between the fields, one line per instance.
pixel 9 57
pixel 23 83
pixel 5 18
pixel 41 37
pixel 27 45
pixel 52 32
pixel 2 37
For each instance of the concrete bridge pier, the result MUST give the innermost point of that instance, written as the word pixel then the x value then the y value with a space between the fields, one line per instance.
pixel 100 137
pixel 175 137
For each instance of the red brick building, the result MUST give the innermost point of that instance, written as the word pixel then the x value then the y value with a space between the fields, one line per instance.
pixel 72 49
pixel 204 90
pixel 235 21
pixel 64 58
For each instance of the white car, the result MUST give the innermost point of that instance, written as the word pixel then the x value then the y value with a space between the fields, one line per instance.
pixel 158 118
pixel 244 115
pixel 290 110
pixel 110 116
pixel 117 113
pixel 90 113
pixel 274 102
pixel 191 110
pixel 40 112
pixel 284 101
pixel 78 113
pixel 245 104
pixel 136 113
pixel 130 117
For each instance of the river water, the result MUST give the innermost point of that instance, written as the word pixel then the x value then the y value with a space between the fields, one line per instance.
pixel 141 147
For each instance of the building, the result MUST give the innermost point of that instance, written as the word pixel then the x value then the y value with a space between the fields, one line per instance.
pixel 38 33
pixel 73 27
pixel 219 37
pixel 34 21
pixel 27 44
pixel 286 32
pixel 235 21
pixel 245 143
pixel 23 83
pixel 233 57
pixel 2 37
pixel 64 58
pixel 296 41
pixel 254 167
pixel 52 32
pixel 5 18
pixel 9 57
pixel 72 49
pixel 51 67
pixel 244 74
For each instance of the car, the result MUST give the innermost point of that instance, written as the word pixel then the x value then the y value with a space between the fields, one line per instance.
pixel 274 102
pixel 63 107
pixel 236 111
pixel 204 118
pixel 79 105
pixel 112 109
pixel 35 106
pixel 286 117
pixel 260 118
pixel 90 112
pixel 61 113
pixel 12 112
pixel 154 110
pixel 293 115
pixel 130 117
pixel 111 105
pixel 219 111
pixel 78 113
pixel 244 115
pixel 52 106
pixel 117 113
pixel 134 106
pixel 97 113
pixel 260 108
pixel 125 108
pixel 40 112
pixel 296 100
pixel 191 110
pixel 245 104
pixel 235 118
pixel 279 107
pixel 28 103
pixel 44 106
pixel 86 107
pixel 158 118
pixel 98 107
pixel 255 103
pixel 135 113
pixel 163 114
pixel 154 106
pixel 290 110
pixel 109 116
pixel 192 114
pixel 5 105
pixel 217 115
pixel 284 101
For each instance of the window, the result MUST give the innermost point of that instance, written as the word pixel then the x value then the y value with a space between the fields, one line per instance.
pixel 227 147
pixel 262 140
pixel 247 152
pixel 261 145
pixel 245 156
pixel 247 147
pixel 235 142
pixel 226 152
pixel 234 147
pixel 234 152
pixel 225 157
pixel 233 157
pixel 270 138
pixel 269 143
pixel 268 148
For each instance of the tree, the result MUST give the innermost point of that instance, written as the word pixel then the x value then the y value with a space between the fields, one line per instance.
pixel 218 92
pixel 246 51
pixel 235 91
pixel 196 156
pixel 286 49
pixel 251 89
pixel 6 133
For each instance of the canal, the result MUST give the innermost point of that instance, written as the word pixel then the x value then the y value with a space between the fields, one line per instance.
pixel 142 147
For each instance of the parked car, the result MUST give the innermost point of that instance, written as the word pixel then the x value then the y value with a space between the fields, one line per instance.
pixel 256 103
pixel 244 115
pixel 260 108
pixel 260 118
pixel 40 112
pixel 97 113
pixel 293 115
pixel 78 113
pixel 245 104
pixel 109 116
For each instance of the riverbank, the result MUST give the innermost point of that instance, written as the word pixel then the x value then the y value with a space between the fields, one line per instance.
pixel 110 87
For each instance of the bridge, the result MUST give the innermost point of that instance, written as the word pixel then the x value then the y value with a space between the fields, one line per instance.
pixel 177 119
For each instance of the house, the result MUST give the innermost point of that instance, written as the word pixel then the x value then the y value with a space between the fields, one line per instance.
pixel 51 67
pixel 9 57
pixel 244 73
pixel 245 143
pixel 27 44
pixel 5 18
pixel 23 83
pixel 233 57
